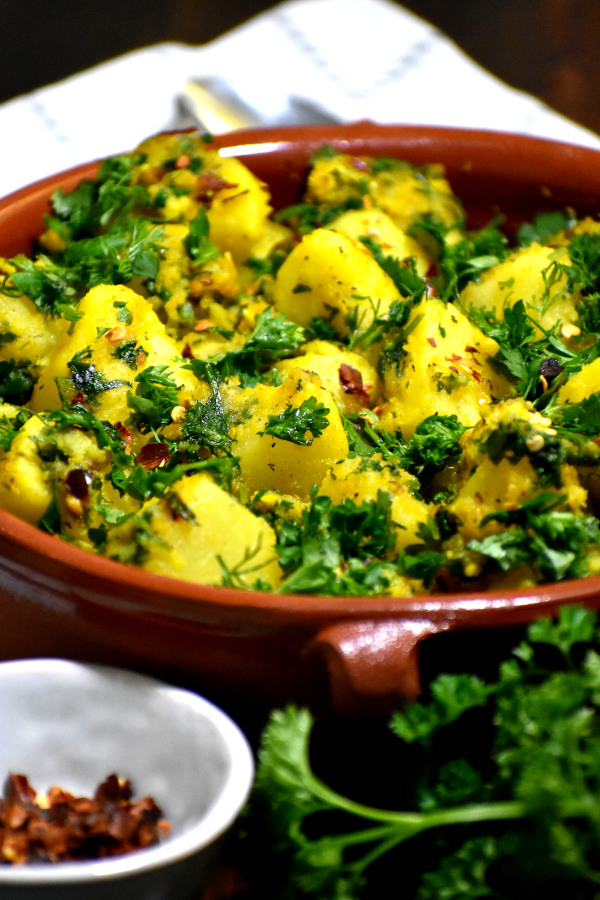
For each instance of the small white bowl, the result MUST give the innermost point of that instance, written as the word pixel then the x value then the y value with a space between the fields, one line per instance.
pixel 70 724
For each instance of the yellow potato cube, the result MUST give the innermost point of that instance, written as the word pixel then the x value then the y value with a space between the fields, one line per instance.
pixel 272 463
pixel 532 275
pixel 333 277
pixel 99 334
pixel 341 372
pixel 199 532
pixel 444 369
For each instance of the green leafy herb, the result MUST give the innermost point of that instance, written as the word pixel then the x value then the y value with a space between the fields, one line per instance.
pixel 307 216
pixel 16 381
pixel 85 378
pixel 154 400
pixel 462 261
pixel 500 795
pixel 207 425
pixel 294 423
pixel 10 427
pixel 198 243
pixel 555 542
pixel 130 353
pixel 272 338
pixel 338 549
pixel 544 226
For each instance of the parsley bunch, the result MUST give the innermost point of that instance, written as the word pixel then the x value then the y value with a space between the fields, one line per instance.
pixel 500 777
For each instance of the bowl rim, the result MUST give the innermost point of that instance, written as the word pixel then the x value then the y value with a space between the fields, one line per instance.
pixel 433 143
pixel 221 814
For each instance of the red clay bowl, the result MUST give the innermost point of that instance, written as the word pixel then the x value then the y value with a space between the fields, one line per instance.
pixel 357 656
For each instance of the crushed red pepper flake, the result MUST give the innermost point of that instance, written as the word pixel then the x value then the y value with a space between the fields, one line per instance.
pixel 352 383
pixel 209 184
pixel 60 827
pixel 432 341
pixel 153 454
pixel 183 161
pixel 125 434
pixel 78 399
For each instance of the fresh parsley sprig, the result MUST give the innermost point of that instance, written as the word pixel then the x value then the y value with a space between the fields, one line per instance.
pixel 500 793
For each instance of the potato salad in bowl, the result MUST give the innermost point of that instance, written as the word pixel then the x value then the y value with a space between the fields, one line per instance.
pixel 355 395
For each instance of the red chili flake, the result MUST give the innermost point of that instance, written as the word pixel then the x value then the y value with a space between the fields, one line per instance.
pixel 470 349
pixel 62 827
pixel 125 433
pixel 77 483
pixel 187 352
pixel 478 497
pixel 454 369
pixel 77 398
pixel 352 383
pixel 454 358
pixel 153 454
pixel 208 184
pixel 432 341
pixel 116 334
pixel 357 163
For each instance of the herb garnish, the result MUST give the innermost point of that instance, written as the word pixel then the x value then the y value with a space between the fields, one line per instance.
pixel 295 422
pixel 499 794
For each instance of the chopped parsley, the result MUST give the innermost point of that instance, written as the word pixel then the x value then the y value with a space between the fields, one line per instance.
pixel 299 424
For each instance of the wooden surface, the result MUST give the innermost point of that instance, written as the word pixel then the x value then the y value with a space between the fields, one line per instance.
pixel 546 47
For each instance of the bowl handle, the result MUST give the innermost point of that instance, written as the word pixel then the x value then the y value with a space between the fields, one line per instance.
pixel 372 665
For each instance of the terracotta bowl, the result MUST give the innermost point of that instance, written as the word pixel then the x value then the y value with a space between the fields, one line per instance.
pixel 358 656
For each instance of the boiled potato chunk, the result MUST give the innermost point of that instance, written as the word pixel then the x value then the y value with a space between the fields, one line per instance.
pixel 330 276
pixel 406 193
pixel 327 361
pixel 375 224
pixel 272 463
pixel 33 469
pixel 533 275
pixel 490 485
pixel 26 334
pixel 445 369
pixel 238 212
pixel 114 318
pixel 581 385
pixel 200 535
pixel 24 488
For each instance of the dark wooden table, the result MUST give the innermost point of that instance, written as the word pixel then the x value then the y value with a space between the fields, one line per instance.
pixel 546 47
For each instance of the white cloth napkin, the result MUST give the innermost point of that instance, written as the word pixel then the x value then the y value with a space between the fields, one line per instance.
pixel 385 64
